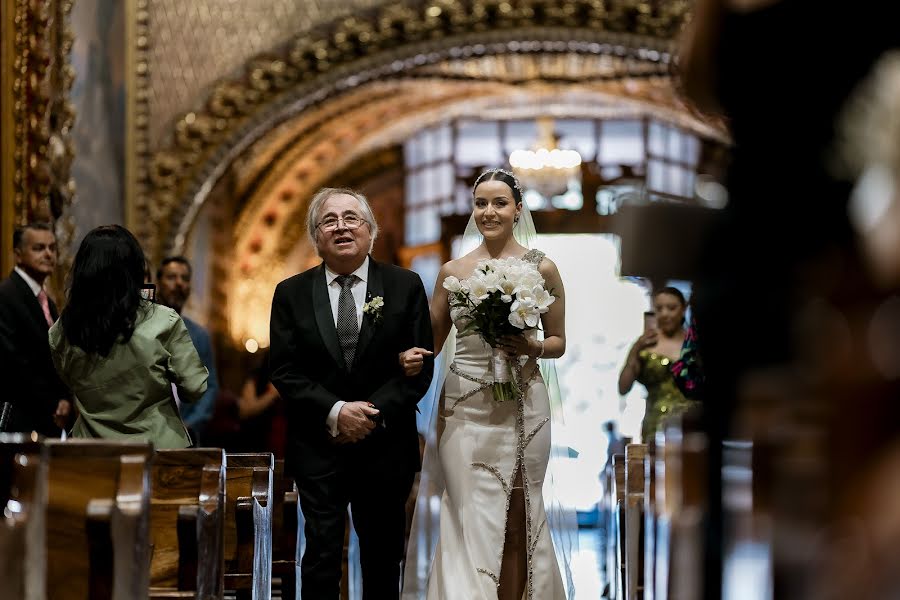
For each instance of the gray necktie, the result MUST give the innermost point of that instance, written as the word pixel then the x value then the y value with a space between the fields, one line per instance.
pixel 347 328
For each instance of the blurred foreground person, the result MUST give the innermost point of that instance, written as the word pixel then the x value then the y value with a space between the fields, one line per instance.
pixel 804 385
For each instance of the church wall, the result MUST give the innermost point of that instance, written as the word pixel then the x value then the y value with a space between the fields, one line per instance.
pixel 98 95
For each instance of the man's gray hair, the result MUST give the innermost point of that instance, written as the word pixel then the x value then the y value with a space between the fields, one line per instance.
pixel 315 205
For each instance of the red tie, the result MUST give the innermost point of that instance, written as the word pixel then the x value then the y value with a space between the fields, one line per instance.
pixel 45 306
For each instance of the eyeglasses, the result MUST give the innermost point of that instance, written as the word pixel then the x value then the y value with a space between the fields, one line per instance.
pixel 148 292
pixel 349 221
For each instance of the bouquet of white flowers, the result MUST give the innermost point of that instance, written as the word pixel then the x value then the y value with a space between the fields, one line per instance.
pixel 504 296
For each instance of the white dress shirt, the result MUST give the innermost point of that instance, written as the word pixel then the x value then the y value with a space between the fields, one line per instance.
pixel 359 298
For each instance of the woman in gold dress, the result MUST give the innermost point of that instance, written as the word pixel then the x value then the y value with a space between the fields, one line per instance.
pixel 650 359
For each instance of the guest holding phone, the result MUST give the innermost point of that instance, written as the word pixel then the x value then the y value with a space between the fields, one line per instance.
pixel 120 353
pixel 651 356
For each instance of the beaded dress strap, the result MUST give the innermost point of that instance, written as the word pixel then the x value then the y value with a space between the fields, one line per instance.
pixel 534 256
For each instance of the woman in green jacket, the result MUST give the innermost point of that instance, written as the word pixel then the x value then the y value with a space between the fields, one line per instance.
pixel 127 360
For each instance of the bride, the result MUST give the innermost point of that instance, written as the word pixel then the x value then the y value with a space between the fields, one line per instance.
pixel 487 460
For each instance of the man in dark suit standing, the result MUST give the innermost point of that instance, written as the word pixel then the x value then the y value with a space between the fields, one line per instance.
pixel 37 399
pixel 336 331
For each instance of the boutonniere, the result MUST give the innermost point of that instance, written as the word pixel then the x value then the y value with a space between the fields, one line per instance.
pixel 373 308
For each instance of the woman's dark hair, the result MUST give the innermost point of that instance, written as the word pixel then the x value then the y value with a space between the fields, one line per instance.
pixel 504 176
pixel 104 290
pixel 672 291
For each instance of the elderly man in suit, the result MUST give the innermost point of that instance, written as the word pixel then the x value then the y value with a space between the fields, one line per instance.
pixel 35 398
pixel 336 331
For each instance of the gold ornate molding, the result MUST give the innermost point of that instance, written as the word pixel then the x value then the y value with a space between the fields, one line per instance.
pixel 137 117
pixel 389 41
pixel 37 118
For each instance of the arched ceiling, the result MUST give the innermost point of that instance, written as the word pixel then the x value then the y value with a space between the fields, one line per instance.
pixel 306 106
pixel 389 40
pixel 302 154
pixel 296 158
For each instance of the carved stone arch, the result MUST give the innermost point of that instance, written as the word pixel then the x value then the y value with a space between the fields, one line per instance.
pixel 391 41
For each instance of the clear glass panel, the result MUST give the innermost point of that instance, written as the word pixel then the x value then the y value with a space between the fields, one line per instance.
pixel 427 266
pixel 689 182
pixel 676 143
pixel 443 147
pixel 428 145
pixel 478 144
pixel 463 200
pixel 430 224
pixel 430 184
pixel 676 180
pixel 444 175
pixel 412 227
pixel 621 142
pixel 413 191
pixel 411 152
pixel 655 175
pixel 520 135
pixel 691 149
pixel 578 135
pixel 657 138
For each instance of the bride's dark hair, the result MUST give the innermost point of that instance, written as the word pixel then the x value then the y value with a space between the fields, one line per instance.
pixel 104 290
pixel 504 176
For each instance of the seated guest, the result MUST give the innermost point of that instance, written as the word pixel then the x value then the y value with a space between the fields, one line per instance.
pixel 119 353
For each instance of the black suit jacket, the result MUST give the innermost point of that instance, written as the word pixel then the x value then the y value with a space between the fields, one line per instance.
pixel 26 369
pixel 309 372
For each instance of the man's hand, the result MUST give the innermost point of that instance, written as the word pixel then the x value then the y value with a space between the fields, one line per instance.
pixel 61 416
pixel 353 422
pixel 413 360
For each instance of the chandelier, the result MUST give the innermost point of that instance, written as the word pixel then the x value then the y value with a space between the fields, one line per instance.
pixel 546 168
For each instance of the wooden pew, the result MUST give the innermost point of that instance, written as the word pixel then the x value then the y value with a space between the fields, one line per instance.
pixel 98 513
pixel 188 524
pixel 284 532
pixel 23 480
pixel 681 499
pixel 635 456
pixel 607 506
pixel 617 591
pixel 248 524
pixel 651 508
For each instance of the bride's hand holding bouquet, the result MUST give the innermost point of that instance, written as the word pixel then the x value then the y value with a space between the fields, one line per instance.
pixel 502 299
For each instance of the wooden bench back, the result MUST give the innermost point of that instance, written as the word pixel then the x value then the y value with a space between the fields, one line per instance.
pixel 285 525
pixel 98 519
pixel 248 522
pixel 23 500
pixel 188 516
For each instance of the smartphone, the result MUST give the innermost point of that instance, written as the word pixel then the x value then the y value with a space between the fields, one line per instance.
pixel 649 321
pixel 148 292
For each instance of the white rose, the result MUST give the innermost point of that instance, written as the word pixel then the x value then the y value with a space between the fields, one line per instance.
pixel 508 287
pixel 478 289
pixel 491 280
pixel 542 299
pixel 523 316
pixel 452 284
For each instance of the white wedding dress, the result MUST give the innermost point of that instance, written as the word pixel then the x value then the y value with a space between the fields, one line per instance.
pixel 481 445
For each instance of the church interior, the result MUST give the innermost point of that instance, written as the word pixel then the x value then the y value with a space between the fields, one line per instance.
pixel 698 146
